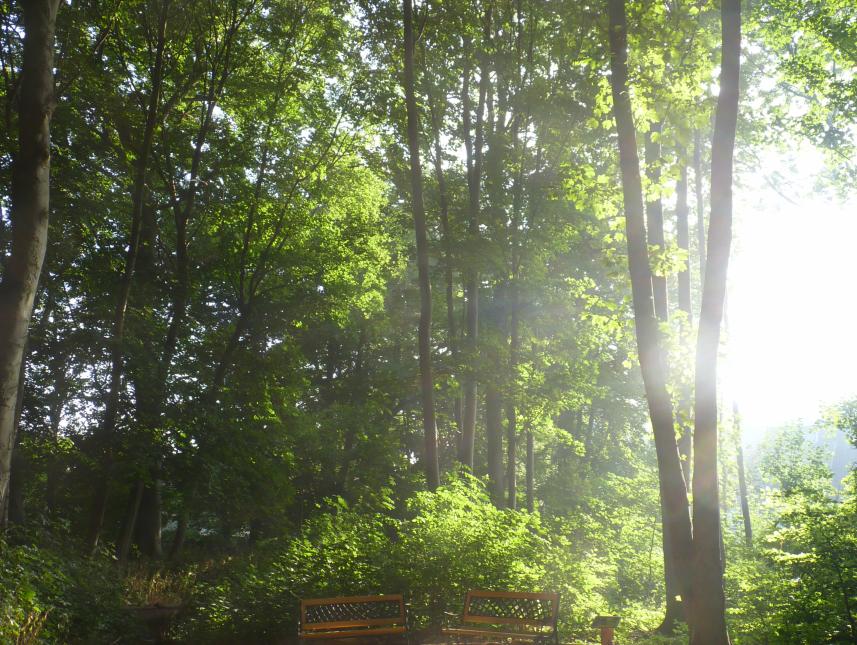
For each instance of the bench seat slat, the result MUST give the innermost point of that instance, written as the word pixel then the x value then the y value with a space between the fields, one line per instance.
pixel 464 631
pixel 356 622
pixel 356 633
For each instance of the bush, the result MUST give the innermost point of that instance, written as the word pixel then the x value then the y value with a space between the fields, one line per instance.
pixel 51 591
pixel 451 540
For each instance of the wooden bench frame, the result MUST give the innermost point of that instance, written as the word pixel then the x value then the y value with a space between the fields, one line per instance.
pixel 354 625
pixel 538 630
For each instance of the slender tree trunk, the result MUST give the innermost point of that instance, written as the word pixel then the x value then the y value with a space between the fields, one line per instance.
pixel 684 305
pixel 514 331
pixel 683 239
pixel 426 381
pixel 179 538
pixel 30 195
pixel 147 532
pixel 670 477
pixel 473 150
pixel 494 436
pixel 129 524
pixel 16 477
pixel 707 602
pixel 655 217
pixel 700 203
pixel 138 198
pixel 742 480
pixel 446 241
pixel 511 454
pixel 531 466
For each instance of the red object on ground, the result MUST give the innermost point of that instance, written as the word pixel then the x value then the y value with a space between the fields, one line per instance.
pixel 606 636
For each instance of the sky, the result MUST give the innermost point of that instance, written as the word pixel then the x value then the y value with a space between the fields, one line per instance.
pixel 792 307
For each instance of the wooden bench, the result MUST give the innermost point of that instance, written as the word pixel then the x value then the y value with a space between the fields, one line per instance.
pixel 500 616
pixel 376 617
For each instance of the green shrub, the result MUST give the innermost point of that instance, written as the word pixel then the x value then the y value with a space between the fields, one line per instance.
pixel 80 599
pixel 451 540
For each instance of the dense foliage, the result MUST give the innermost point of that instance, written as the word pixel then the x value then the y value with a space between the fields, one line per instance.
pixel 221 406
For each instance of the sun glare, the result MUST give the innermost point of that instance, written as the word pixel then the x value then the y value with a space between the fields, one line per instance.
pixel 791 308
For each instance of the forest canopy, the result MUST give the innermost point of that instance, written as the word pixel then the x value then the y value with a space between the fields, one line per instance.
pixel 315 298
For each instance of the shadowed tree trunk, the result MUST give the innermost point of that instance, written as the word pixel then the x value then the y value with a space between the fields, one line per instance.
pixel 30 196
pixel 129 522
pixel 700 203
pixel 684 305
pixel 742 480
pixel 426 380
pixel 446 241
pixel 531 464
pixel 474 154
pixel 494 436
pixel 655 216
pixel 676 516
pixel 16 512
pixel 707 602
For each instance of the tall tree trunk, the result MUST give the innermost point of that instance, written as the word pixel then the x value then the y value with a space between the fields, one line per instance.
pixel 30 193
pixel 494 436
pixel 655 216
pixel 707 602
pixel 147 531
pixel 742 479
pixel 670 477
pixel 700 203
pixel 446 241
pixel 129 522
pixel 16 476
pixel 511 454
pixel 426 381
pixel 531 466
pixel 683 239
pixel 138 198
pixel 684 305
pixel 474 153
pixel 514 320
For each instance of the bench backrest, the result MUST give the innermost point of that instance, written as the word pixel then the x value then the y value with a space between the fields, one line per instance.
pixel 511 608
pixel 319 614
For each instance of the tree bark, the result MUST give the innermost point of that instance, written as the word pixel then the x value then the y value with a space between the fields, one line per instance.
pixel 707 602
pixel 16 513
pixel 531 465
pixel 742 480
pixel 684 303
pixel 673 493
pixel 30 196
pixel 147 532
pixel 430 459
pixel 655 217
pixel 494 436
pixel 511 454
pixel 700 203
pixel 129 523
pixel 473 151
pixel 446 241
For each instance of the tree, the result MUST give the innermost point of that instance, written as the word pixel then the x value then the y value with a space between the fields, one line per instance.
pixel 708 605
pixel 676 518
pixel 29 215
pixel 426 380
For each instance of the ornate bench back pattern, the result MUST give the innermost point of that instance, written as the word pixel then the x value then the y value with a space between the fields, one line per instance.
pixel 352 611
